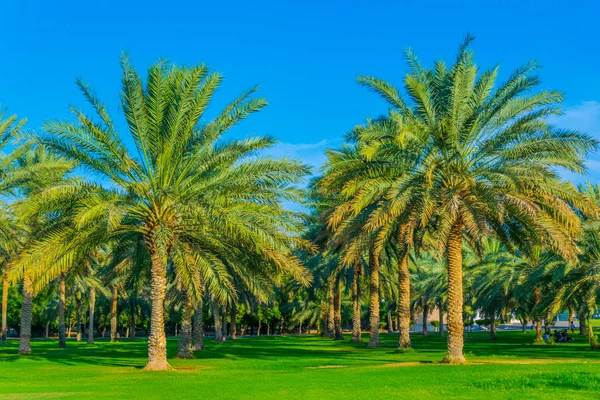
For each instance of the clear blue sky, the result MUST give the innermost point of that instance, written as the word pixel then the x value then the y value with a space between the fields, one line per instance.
pixel 305 55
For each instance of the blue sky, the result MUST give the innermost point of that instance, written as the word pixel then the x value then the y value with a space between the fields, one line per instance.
pixel 304 55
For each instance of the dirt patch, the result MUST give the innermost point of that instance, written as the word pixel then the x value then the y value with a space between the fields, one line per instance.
pixel 327 366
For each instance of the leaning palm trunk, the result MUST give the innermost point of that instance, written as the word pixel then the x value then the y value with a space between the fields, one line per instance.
pixel 218 328
pixel 374 300
pixel 4 308
pixel 403 302
pixel 330 308
pixel 113 314
pixel 440 307
pixel 90 338
pixel 26 310
pixel 198 327
pixel 337 311
pixel 356 331
pixel 455 297
pixel 157 341
pixel 62 341
pixel 184 349
pixel 232 323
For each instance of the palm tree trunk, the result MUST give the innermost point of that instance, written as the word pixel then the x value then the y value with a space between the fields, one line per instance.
pixel 259 326
pixel 425 314
pixel 184 349
pixel 26 311
pixel 232 323
pixel 440 308
pixel 330 308
pixel 356 327
pixel 268 329
pixel 374 299
pixel 62 341
pixel 224 324
pixel 79 312
pixel 583 323
pixel 113 314
pixel 218 329
pixel 198 326
pixel 337 309
pixel 537 293
pixel 157 341
pixel 92 301
pixel 390 327
pixel 132 319
pixel 524 323
pixel 493 328
pixel 455 296
pixel 47 331
pixel 403 302
pixel 4 307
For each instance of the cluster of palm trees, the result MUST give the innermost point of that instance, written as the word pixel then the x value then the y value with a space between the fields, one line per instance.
pixel 452 199
pixel 455 163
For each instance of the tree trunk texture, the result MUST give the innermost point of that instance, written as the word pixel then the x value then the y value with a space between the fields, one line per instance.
pixel 524 326
pixel 493 329
pixel 374 300
pixel 26 311
pixel 259 326
pixel 132 319
pixel 583 323
pixel 218 328
pixel 4 328
pixel 79 312
pixel 337 309
pixel 232 322
pixel 198 327
pixel 330 308
pixel 440 310
pixel 224 323
pixel 113 314
pixel 157 341
pixel 62 340
pixel 425 314
pixel 356 325
pixel 455 296
pixel 390 326
pixel 539 336
pixel 92 301
pixel 184 348
pixel 403 302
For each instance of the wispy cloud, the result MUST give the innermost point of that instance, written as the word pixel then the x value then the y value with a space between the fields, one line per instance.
pixel 312 154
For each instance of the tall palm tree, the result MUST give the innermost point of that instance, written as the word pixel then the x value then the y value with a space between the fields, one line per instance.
pixel 182 188
pixel 485 166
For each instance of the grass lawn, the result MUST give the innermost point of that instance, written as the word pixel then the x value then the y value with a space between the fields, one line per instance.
pixel 308 367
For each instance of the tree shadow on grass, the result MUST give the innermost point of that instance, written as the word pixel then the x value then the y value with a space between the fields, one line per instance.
pixel 303 351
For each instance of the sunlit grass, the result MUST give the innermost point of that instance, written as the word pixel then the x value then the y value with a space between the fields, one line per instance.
pixel 307 367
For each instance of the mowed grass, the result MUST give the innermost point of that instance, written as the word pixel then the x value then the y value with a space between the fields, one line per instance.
pixel 305 367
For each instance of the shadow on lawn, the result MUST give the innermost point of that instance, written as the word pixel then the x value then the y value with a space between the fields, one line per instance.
pixel 303 351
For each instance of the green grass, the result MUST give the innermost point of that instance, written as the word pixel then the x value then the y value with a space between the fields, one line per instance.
pixel 309 367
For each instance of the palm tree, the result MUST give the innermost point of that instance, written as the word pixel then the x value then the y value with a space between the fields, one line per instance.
pixel 183 189
pixel 485 166
pixel 9 127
